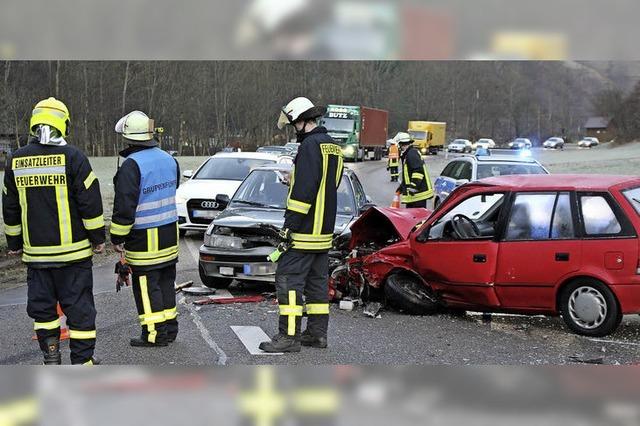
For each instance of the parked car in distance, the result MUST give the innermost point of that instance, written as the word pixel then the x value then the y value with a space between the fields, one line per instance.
pixel 231 149
pixel 553 143
pixel 460 146
pixel 520 143
pixel 484 143
pixel 534 244
pixel 470 168
pixel 220 174
pixel 292 147
pixel 237 243
pixel 588 142
pixel 274 149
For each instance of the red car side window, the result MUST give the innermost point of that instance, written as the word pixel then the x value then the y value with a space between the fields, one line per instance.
pixel 598 216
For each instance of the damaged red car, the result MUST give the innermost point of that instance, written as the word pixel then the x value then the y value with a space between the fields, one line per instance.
pixel 536 244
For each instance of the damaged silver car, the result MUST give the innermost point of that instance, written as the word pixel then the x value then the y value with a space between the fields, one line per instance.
pixel 238 241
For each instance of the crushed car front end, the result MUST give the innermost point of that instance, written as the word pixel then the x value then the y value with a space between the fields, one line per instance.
pixel 240 252
pixel 378 247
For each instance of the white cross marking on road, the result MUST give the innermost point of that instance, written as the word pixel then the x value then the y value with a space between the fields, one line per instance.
pixel 251 337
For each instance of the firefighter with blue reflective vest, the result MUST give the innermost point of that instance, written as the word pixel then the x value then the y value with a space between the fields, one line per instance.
pixel 52 211
pixel 307 234
pixel 415 188
pixel 144 227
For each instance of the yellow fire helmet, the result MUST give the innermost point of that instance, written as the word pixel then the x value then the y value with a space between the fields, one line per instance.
pixel 51 112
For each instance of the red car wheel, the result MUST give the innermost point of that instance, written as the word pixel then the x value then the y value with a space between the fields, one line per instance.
pixel 409 295
pixel 589 308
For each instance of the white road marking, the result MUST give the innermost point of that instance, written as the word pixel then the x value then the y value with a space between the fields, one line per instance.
pixel 616 342
pixel 251 337
pixel 193 246
pixel 206 336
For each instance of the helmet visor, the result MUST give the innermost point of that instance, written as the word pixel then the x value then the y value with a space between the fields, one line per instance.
pixel 283 120
pixel 52 111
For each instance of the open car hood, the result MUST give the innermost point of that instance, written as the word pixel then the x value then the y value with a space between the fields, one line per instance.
pixel 384 225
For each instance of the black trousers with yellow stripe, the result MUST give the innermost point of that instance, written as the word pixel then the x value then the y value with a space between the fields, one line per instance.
pixel 72 287
pixel 155 298
pixel 393 170
pixel 302 286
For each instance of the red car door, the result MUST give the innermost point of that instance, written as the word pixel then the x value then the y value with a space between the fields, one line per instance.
pixel 539 249
pixel 461 271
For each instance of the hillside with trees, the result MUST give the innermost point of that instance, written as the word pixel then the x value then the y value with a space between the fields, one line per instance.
pixel 203 106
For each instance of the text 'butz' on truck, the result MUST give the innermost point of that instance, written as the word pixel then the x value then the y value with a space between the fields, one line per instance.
pixel 360 131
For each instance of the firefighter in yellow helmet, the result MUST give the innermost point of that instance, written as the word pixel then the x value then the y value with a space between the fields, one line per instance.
pixel 415 188
pixel 52 211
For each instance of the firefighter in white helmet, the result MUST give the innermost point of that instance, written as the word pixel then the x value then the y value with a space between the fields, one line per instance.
pixel 415 188
pixel 144 227
pixel 302 272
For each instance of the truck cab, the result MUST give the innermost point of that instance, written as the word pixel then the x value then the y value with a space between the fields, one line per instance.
pixel 428 136
pixel 343 125
pixel 360 131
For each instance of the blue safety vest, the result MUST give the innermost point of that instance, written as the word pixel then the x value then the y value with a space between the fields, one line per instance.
pixel 158 183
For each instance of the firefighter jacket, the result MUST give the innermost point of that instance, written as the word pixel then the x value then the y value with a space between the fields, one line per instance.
pixel 51 205
pixel 144 210
pixel 312 199
pixel 394 156
pixel 416 183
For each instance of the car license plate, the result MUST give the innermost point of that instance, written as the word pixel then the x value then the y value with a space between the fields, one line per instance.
pixel 255 269
pixel 226 270
pixel 205 214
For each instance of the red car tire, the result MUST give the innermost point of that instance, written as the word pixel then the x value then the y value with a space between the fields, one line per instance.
pixel 589 308
pixel 409 295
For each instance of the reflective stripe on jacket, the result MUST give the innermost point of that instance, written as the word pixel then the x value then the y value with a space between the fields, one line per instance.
pixel 312 200
pixel 144 211
pixel 416 176
pixel 157 191
pixel 51 205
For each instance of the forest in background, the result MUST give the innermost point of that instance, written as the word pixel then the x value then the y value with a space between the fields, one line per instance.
pixel 206 105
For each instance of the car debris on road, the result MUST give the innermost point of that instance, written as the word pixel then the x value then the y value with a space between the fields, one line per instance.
pixel 229 300
pixel 199 290
pixel 182 286
pixel 372 310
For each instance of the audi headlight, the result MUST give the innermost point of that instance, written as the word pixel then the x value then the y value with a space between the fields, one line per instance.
pixel 225 241
pixel 349 149
pixel 423 150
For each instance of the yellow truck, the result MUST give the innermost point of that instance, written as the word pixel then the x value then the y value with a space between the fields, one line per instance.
pixel 428 136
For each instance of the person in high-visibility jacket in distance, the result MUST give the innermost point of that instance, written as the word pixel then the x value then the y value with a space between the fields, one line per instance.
pixel 394 161
pixel 144 227
pixel 52 212
pixel 415 188
pixel 302 273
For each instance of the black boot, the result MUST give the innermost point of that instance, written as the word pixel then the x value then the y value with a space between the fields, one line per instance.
pixel 310 340
pixel 52 354
pixel 281 343
pixel 142 343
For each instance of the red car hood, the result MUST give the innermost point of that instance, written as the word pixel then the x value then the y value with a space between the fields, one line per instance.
pixel 382 224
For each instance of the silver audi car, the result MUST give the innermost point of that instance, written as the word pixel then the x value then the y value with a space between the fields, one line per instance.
pixel 238 241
